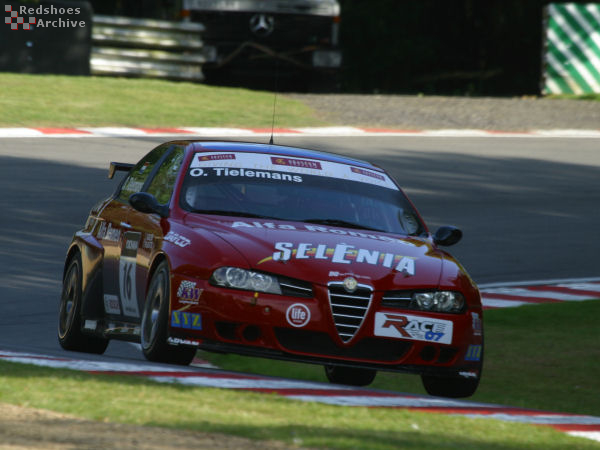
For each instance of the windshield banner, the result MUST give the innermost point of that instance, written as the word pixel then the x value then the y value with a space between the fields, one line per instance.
pixel 306 166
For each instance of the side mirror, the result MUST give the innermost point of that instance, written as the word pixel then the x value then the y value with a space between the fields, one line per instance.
pixel 147 203
pixel 447 236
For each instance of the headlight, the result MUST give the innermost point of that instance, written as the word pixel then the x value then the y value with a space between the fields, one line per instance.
pixel 439 301
pixel 234 277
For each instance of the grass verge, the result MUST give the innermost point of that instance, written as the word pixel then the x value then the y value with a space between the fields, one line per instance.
pixel 593 97
pixel 265 417
pixel 68 101
pixel 540 356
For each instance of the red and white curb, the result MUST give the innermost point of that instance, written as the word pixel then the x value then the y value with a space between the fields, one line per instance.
pixel 126 132
pixel 574 424
pixel 506 295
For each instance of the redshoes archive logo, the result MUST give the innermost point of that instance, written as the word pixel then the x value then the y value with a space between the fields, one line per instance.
pixel 42 16
pixel 14 20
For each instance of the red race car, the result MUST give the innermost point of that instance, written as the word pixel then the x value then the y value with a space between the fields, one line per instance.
pixel 277 252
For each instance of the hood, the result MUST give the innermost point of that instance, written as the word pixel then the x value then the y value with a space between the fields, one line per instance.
pixel 322 254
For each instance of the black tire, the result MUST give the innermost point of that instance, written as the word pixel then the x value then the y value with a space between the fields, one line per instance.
pixel 451 387
pixel 70 335
pixel 155 319
pixel 351 376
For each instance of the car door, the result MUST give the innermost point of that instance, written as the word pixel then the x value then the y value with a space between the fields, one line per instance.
pixel 149 227
pixel 121 242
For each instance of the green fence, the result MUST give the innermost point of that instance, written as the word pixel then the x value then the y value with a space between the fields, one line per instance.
pixel 572 52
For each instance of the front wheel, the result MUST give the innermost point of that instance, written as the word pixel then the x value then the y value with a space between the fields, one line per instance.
pixel 70 336
pixel 155 322
pixel 451 387
pixel 351 376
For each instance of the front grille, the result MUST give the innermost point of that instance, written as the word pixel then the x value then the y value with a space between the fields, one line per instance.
pixel 295 288
pixel 349 309
pixel 318 343
pixel 397 299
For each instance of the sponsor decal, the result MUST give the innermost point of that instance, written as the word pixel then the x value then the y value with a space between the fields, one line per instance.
pixel 111 304
pixel 262 162
pixel 335 273
pixel 248 173
pixel 319 229
pixel 415 328
pixel 127 274
pixel 90 324
pixel 468 374
pixel 306 164
pixel 148 241
pixel 133 185
pixel 182 319
pixel 476 324
pixel 179 341
pixel 473 353
pixel 177 239
pixel 298 315
pixel 101 230
pixel 341 254
pixel 111 234
pixel 367 173
pixel 188 293
pixel 218 157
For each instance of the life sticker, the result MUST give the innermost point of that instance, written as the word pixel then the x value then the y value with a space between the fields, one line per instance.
pixel 298 315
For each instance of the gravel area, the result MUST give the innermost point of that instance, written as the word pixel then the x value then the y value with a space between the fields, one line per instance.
pixel 419 113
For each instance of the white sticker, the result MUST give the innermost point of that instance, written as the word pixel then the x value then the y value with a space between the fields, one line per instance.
pixel 127 274
pixel 298 315
pixel 295 165
pixel 111 304
pixel 414 328
pixel 177 239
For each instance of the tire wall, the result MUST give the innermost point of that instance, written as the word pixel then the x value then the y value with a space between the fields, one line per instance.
pixel 464 47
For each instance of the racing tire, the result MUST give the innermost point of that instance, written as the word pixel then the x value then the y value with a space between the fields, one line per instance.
pixel 351 376
pixel 70 335
pixel 450 387
pixel 155 320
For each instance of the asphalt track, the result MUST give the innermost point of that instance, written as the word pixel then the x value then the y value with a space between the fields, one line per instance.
pixel 529 209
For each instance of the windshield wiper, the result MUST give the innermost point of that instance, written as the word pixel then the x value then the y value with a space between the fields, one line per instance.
pixel 342 223
pixel 222 212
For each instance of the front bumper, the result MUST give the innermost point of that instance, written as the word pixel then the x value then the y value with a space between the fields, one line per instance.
pixel 233 321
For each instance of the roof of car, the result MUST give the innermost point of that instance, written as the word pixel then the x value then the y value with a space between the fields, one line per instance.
pixel 253 147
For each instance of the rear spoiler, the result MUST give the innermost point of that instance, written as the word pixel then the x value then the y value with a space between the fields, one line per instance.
pixel 114 166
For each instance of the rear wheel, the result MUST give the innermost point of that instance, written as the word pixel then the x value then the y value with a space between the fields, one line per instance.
pixel 155 322
pixel 70 335
pixel 351 376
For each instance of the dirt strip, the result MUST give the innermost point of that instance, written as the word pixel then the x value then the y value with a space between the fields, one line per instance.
pixel 29 428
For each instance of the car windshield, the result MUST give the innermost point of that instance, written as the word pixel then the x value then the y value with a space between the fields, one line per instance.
pixel 300 190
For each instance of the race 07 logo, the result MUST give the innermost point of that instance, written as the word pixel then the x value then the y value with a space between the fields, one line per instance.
pixel 415 328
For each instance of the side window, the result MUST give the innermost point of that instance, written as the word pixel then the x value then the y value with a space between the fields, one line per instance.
pixel 163 182
pixel 138 175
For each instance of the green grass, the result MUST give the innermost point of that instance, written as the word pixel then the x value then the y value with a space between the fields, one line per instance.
pixel 68 101
pixel 259 416
pixel 595 97
pixel 540 356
